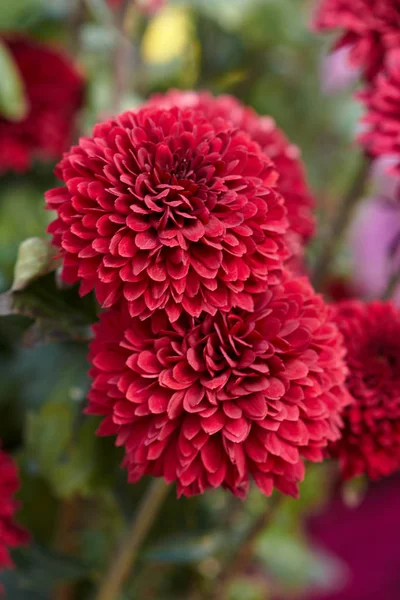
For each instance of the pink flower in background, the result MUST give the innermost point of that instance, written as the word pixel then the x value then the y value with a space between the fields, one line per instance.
pixel 337 71
pixel 54 92
pixel 11 535
pixel 369 29
pixel 214 401
pixel 375 246
pixel 292 182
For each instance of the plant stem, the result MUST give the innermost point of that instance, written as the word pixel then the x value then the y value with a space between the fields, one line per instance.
pixel 122 563
pixel 339 224
pixel 68 525
pixel 124 55
pixel 391 287
pixel 244 552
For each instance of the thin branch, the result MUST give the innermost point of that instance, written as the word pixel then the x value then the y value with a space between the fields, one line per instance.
pixel 69 523
pixel 243 554
pixel 339 225
pixel 122 563
pixel 392 286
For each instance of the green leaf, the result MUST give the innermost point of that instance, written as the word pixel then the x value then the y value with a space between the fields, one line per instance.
pixel 293 565
pixel 48 434
pixel 185 548
pixel 13 103
pixel 35 258
pixel 41 569
pixel 19 14
pixel 60 314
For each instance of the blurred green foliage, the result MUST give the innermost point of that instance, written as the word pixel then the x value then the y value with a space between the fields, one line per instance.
pixel 262 52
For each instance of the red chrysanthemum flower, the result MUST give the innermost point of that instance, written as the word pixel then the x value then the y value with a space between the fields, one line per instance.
pixel 292 182
pixel 11 535
pixel 370 29
pixel 382 101
pixel 370 441
pixel 210 402
pixel 54 93
pixel 168 210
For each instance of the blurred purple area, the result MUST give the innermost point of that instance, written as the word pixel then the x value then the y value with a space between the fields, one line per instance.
pixel 366 539
pixel 374 236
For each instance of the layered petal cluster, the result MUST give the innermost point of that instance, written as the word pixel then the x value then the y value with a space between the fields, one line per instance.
pixel 286 156
pixel 166 210
pixel 382 102
pixel 214 401
pixel 370 28
pixel 370 441
pixel 11 535
pixel 54 93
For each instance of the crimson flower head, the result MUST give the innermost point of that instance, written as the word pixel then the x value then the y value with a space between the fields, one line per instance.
pixel 214 401
pixel 54 93
pixel 292 183
pixel 370 441
pixel 11 535
pixel 382 102
pixel 166 210
pixel 370 28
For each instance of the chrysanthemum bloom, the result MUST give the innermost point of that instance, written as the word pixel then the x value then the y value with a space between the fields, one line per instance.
pixel 370 28
pixel 167 210
pixel 214 401
pixel 11 535
pixel 286 156
pixel 370 441
pixel 382 103
pixel 54 93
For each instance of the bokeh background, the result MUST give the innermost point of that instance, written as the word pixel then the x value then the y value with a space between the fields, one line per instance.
pixel 75 498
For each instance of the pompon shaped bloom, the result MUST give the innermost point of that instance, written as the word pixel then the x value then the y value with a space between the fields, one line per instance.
pixel 370 28
pixel 11 535
pixel 167 210
pixel 286 156
pixel 214 401
pixel 382 102
pixel 370 441
pixel 54 93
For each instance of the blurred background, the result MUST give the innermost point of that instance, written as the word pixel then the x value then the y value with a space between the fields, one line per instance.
pixel 75 497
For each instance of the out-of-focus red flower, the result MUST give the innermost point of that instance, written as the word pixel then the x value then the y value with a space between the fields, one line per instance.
pixel 54 93
pixel 210 402
pixel 286 156
pixel 370 441
pixel 11 535
pixel 146 6
pixel 168 210
pixel 370 28
pixel 382 103
pixel 340 287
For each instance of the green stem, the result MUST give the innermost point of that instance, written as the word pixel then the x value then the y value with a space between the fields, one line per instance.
pixel 339 224
pixel 242 556
pixel 123 561
pixel 391 287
